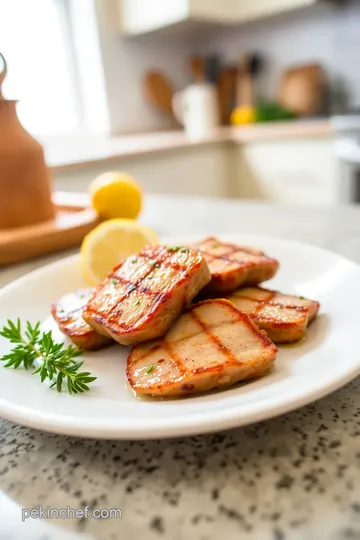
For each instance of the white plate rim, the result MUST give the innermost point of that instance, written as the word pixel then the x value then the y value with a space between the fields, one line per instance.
pixel 194 426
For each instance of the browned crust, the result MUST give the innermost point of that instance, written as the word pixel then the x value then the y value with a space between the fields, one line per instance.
pixel 265 362
pixel 244 273
pixel 87 340
pixel 281 331
pixel 120 329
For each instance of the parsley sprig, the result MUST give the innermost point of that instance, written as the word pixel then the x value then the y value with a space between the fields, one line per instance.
pixel 58 362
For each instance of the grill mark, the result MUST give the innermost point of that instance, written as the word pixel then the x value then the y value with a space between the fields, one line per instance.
pixel 261 335
pixel 239 294
pixel 233 248
pixel 149 351
pixel 73 327
pixel 246 319
pixel 158 298
pixel 260 319
pixel 124 281
pixel 269 301
pixel 225 351
pixel 173 356
pixel 69 314
pixel 225 258
pixel 136 286
pixel 246 249
pixel 175 265
pixel 174 342
pixel 260 304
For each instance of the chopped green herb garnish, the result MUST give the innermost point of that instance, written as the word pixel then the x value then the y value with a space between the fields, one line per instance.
pixel 113 281
pixel 149 277
pixel 150 368
pixel 215 245
pixel 175 248
pixel 58 362
pixel 183 249
pixel 137 302
pixel 155 264
pixel 302 297
pixel 133 260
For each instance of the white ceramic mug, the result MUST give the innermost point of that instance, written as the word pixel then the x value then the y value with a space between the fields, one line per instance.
pixel 197 109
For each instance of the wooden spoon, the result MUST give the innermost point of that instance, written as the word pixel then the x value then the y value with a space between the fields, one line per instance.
pixel 158 91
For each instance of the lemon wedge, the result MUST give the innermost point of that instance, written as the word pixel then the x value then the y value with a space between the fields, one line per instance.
pixel 109 244
pixel 116 195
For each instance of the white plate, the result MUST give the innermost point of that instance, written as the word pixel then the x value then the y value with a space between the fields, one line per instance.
pixel 327 359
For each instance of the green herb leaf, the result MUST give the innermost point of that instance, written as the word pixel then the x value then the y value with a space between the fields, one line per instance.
pixel 57 361
pixel 150 368
pixel 302 297
pixel 215 245
pixel 175 248
pixel 114 281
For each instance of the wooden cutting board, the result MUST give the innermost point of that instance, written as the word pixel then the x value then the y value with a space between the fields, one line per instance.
pixel 72 222
pixel 302 89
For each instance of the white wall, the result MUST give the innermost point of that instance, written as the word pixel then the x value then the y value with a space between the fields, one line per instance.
pixel 330 35
pixel 325 34
pixel 126 60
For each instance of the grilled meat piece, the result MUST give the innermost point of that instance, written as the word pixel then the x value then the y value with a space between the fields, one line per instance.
pixel 284 317
pixel 142 297
pixel 68 315
pixel 232 266
pixel 212 345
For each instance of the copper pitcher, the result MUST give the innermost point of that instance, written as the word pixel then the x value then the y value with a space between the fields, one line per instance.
pixel 25 183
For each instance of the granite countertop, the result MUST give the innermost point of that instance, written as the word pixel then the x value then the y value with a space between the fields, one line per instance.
pixel 293 477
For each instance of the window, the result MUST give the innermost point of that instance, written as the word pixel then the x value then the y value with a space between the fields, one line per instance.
pixel 36 38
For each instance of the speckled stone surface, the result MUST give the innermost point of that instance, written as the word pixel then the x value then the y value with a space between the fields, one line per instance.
pixel 293 477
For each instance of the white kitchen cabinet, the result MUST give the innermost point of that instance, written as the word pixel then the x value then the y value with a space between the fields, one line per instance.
pixel 292 164
pixel 203 170
pixel 142 16
pixel 247 10
pixel 295 171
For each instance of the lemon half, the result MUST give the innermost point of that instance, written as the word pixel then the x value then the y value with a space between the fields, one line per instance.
pixel 109 244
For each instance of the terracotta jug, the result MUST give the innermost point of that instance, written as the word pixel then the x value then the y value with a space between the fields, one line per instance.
pixel 25 186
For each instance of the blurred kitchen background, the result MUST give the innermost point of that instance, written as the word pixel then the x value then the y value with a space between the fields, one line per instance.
pixel 95 80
